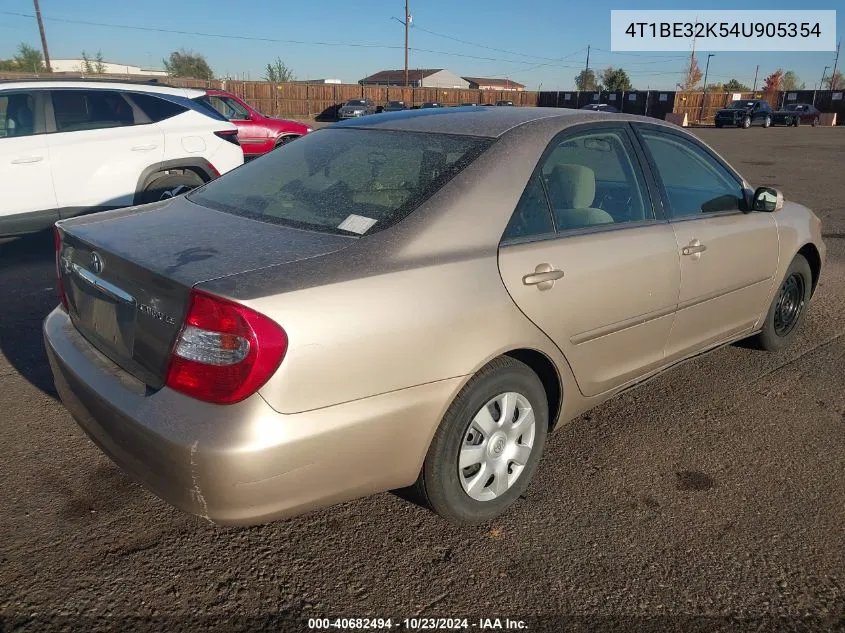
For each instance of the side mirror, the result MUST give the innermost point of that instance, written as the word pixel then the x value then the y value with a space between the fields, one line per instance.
pixel 767 199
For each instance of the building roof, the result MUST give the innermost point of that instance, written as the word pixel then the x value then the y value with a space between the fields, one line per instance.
pixel 398 76
pixel 490 81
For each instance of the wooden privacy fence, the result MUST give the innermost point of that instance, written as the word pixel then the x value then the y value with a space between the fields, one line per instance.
pixel 306 100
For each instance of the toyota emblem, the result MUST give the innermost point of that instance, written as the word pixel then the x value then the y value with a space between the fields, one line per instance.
pixel 96 263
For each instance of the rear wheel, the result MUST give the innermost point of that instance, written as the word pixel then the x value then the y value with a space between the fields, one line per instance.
pixel 488 446
pixel 788 307
pixel 170 186
pixel 767 122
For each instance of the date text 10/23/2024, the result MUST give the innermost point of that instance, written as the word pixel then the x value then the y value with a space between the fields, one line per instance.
pixel 417 624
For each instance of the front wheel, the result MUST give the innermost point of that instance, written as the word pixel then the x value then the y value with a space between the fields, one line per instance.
pixel 488 445
pixel 746 122
pixel 788 307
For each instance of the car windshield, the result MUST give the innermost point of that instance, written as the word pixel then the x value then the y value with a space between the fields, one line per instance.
pixel 356 102
pixel 345 181
pixel 793 107
pixel 740 105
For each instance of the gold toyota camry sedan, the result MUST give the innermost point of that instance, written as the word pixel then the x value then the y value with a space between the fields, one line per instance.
pixel 411 301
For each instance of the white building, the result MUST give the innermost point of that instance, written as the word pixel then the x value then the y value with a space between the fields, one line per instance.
pixel 417 78
pixel 110 68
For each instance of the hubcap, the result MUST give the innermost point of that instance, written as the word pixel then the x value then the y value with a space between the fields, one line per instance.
pixel 496 446
pixel 789 305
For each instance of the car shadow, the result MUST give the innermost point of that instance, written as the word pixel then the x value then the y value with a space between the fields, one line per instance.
pixel 27 295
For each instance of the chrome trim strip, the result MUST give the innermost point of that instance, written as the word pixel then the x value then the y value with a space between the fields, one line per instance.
pixel 102 285
pixel 689 303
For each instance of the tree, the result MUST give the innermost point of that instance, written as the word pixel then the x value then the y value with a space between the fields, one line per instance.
pixel 615 80
pixel 94 66
pixel 277 72
pixel 28 59
pixel 692 74
pixel 736 86
pixel 835 81
pixel 790 81
pixel 716 87
pixel 184 63
pixel 772 83
pixel 585 81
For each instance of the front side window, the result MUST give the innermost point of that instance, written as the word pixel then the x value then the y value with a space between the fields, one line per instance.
pixel 344 181
pixel 695 182
pixel 76 110
pixel 17 114
pixel 592 179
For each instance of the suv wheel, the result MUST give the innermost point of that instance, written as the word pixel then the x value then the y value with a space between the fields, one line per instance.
pixel 767 121
pixel 746 122
pixel 170 186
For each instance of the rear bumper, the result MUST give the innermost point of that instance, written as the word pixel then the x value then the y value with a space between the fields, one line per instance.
pixel 243 464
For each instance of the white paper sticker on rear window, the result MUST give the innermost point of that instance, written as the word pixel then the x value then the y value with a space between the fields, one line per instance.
pixel 356 224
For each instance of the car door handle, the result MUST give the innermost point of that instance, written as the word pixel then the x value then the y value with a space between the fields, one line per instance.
pixel 143 148
pixel 694 248
pixel 27 159
pixel 544 277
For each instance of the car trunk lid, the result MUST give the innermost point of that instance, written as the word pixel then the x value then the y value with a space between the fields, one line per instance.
pixel 127 274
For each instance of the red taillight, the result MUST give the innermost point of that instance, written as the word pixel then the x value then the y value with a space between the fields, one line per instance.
pixel 225 351
pixel 60 284
pixel 229 135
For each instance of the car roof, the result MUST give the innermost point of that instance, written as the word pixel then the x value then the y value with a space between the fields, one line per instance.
pixel 53 84
pixel 479 120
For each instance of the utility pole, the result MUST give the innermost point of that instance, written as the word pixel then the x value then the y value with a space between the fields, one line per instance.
pixel 821 83
pixel 704 94
pixel 755 78
pixel 587 67
pixel 833 72
pixel 43 37
pixel 407 23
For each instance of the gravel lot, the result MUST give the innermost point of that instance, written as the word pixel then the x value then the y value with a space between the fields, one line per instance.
pixel 713 498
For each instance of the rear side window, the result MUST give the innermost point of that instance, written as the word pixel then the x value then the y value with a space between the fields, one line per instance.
pixel 156 108
pixel 345 181
pixel 17 114
pixel 226 106
pixel 76 110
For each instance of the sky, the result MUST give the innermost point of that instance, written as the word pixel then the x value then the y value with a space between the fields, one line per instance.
pixel 540 43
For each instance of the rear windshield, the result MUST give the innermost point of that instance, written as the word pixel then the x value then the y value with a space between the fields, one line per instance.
pixel 740 105
pixel 356 102
pixel 346 181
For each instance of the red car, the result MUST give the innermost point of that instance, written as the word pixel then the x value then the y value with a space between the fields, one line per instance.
pixel 257 133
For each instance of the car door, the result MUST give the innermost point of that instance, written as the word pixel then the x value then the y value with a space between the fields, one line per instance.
pixel 728 257
pixel 586 259
pixel 25 166
pixel 100 146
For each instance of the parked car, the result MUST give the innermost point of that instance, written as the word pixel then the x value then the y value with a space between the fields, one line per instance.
pixel 745 113
pixel 395 304
pixel 431 104
pixel 795 114
pixel 394 106
pixel 599 107
pixel 257 133
pixel 355 108
pixel 504 103
pixel 73 147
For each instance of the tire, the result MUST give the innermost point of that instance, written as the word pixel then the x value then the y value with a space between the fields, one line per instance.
pixel 284 140
pixel 170 186
pixel 815 122
pixel 444 487
pixel 746 122
pixel 788 307
pixel 767 122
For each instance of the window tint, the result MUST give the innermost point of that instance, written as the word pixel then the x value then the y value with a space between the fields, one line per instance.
pixel 156 108
pixel 343 181
pixel 532 216
pixel 90 110
pixel 17 114
pixel 592 180
pixel 694 181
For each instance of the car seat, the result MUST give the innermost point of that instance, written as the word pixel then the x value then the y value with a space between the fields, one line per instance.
pixel 572 191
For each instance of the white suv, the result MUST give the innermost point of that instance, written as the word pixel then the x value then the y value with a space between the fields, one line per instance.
pixel 72 147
